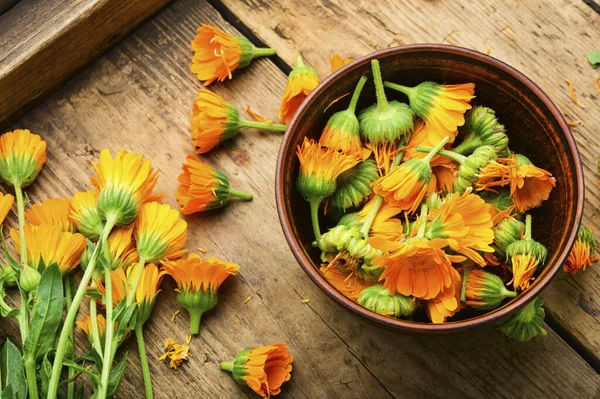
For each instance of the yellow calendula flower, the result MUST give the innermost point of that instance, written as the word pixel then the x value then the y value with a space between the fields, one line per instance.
pixel 442 107
pixel 217 54
pixel 48 244
pixel 302 80
pixel 583 253
pixel 6 203
pixel 125 182
pixel 198 282
pixel 525 256
pixel 54 212
pixel 147 289
pixel 85 214
pixel 176 353
pixel 121 249
pixel 86 325
pixel 161 233
pixel 385 224
pixel 202 187
pixel 22 156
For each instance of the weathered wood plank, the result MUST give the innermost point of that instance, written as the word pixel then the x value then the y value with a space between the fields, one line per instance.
pixel 138 97
pixel 42 43
pixel 546 40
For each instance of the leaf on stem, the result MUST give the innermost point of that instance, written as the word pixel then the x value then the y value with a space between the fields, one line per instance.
pixel 12 373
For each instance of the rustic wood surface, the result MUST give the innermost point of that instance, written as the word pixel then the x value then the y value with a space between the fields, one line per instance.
pixel 42 42
pixel 138 97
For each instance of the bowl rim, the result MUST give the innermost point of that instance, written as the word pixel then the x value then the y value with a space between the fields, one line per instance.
pixel 406 325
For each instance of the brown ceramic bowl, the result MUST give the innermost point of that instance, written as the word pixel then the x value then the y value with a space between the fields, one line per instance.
pixel 535 127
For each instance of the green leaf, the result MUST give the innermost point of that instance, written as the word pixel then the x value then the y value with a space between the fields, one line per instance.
pixel 116 376
pixel 80 393
pixel 94 377
pixel 12 372
pixel 45 373
pixel 594 58
pixel 47 314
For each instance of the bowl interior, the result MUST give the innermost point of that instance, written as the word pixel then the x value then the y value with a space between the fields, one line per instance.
pixel 534 126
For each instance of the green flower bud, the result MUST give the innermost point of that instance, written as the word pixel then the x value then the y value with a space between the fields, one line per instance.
pixel 379 300
pixel 469 169
pixel 350 220
pixel 485 291
pixel 349 239
pixel 196 303
pixel 507 232
pixel 30 278
pixel 354 185
pixel 482 128
pixel 526 323
pixel 9 276
pixel 527 247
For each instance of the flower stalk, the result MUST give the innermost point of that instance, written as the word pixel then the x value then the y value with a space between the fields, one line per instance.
pixel 139 335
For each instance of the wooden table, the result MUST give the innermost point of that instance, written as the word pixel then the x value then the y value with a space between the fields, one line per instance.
pixel 138 97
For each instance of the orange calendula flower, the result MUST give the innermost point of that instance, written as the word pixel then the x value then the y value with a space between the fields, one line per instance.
pixel 22 156
pixel 176 353
pixel 442 107
pixel 525 256
pixel 336 62
pixel 6 203
pixel 384 225
pixel 445 304
pixel 125 182
pixel 425 136
pixel 198 282
pixel 465 221
pixel 302 80
pixel 582 253
pixel 54 212
pixel 86 325
pixel 202 187
pixel 348 284
pixel 161 233
pixel 120 286
pixel 84 213
pixel 48 244
pixel 485 290
pixel 217 54
pixel 262 369
pixel 417 266
pixel 529 185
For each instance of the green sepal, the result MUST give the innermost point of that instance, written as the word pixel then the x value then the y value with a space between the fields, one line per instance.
pixel 469 170
pixel 222 191
pixel 500 200
pixel 18 171
pixel 507 232
pixel 247 52
pixel 379 300
pixel 420 97
pixel 586 235
pixel 527 247
pixel 482 128
pixel 354 185
pixel 120 202
pixel 29 278
pixel 196 303
pixel 493 291
pixel 312 187
pixel 239 366
pixel 387 125
pixel 527 323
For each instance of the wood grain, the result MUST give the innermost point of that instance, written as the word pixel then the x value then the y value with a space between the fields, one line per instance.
pixel 546 40
pixel 42 43
pixel 138 97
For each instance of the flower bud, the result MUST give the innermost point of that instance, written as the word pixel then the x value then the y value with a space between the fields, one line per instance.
pixel 379 300
pixel 30 278
pixel 482 128
pixel 485 291
pixel 467 172
pixel 506 232
pixel 9 276
pixel 354 186
pixel 526 323
pixel 583 251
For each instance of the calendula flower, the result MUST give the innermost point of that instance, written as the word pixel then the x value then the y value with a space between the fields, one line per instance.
pixel 121 249
pixel 215 120
pixel 425 136
pixel 319 169
pixel 202 187
pixel 6 203
pixel 527 323
pixel 48 244
pixel 347 283
pixel 22 156
pixel 440 106
pixel 125 182
pixel 465 221
pixel 406 186
pixel 161 233
pixel 446 303
pixel 217 54
pixel 525 256
pixel 506 232
pixel 85 214
pixel 302 80
pixel 341 132
pixel 416 267
pixel 54 212
pixel 485 291
pixel 351 246
pixel 384 225
pixel 120 285
pixel 198 282
pixel 86 325
pixel 336 61
pixel 147 289
pixel 353 186
pixel 582 253
pixel 176 353
pixel 482 128
pixel 262 369
pixel 529 185
pixel 379 300
pixel 387 121
pixel 445 177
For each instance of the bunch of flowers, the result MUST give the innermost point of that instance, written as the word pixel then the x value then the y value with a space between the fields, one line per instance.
pixel 442 224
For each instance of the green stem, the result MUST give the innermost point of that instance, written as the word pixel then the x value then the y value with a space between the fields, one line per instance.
pixel 71 371
pixel 299 61
pixel 448 154
pixel 423 220
pixel 262 52
pixel 72 313
pixel 468 146
pixel 136 281
pixel 24 315
pixel 279 127
pixel 314 216
pixel 508 294
pixel 94 321
pixel 463 290
pixel 240 194
pixel 402 89
pixel 366 227
pixel 527 227
pixel 195 319
pixel 108 334
pixel 227 366
pixel 30 372
pixel 139 335
pixel 382 103
pixel 435 149
pixel 356 94
pixel 5 306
